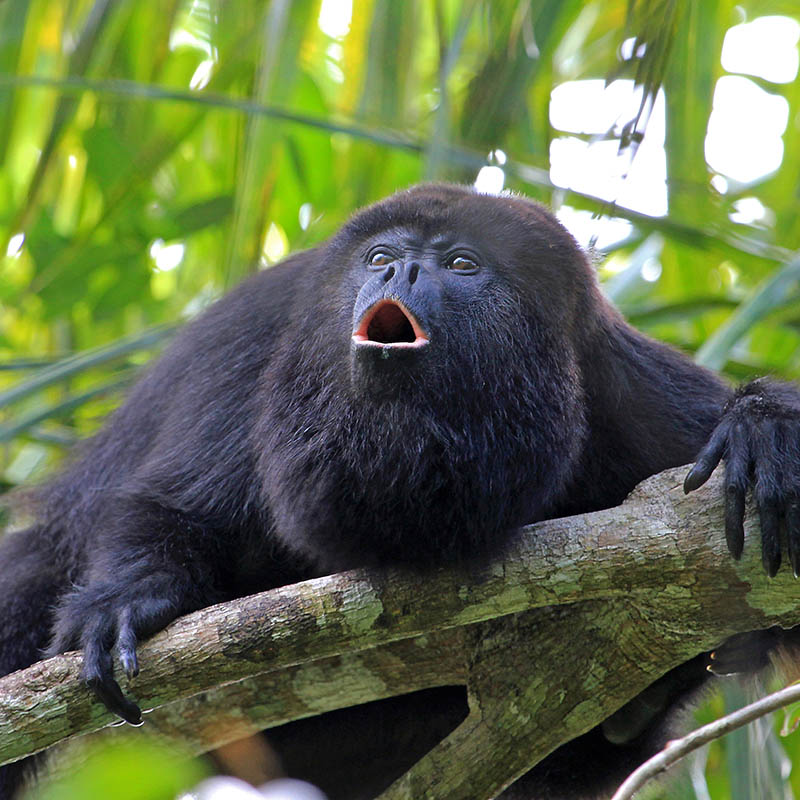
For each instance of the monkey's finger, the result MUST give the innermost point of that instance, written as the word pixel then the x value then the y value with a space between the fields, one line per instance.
pixel 793 534
pixel 98 672
pixel 737 478
pixel 110 695
pixel 734 520
pixel 708 458
pixel 770 537
pixel 126 646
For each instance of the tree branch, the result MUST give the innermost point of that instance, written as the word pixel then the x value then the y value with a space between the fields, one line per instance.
pixel 642 587
pixel 680 748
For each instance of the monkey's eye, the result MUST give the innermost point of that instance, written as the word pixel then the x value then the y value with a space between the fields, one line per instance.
pixel 380 258
pixel 462 263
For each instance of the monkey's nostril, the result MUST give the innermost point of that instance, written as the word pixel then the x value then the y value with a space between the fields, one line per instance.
pixel 413 273
pixel 388 275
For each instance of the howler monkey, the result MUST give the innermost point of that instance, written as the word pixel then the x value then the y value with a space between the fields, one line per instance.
pixel 439 373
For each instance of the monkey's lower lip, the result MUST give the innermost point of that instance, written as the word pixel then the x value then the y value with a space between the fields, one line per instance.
pixel 388 323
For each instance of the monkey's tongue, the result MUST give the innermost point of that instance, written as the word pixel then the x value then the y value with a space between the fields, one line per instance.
pixel 388 323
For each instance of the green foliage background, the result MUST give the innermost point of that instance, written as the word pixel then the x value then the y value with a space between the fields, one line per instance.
pixel 242 131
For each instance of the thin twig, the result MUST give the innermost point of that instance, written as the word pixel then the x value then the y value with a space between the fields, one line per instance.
pixel 678 748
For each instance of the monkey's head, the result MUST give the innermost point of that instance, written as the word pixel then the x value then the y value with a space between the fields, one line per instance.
pixel 440 276
pixel 430 374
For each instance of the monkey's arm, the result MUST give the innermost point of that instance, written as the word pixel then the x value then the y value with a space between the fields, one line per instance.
pixel 152 566
pixel 652 408
pixel 169 518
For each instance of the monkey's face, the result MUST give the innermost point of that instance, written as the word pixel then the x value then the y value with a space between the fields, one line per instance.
pixel 416 305
pixel 444 287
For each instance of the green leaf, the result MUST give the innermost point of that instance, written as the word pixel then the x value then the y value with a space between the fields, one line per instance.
pixel 767 297
pixel 58 410
pixel 73 365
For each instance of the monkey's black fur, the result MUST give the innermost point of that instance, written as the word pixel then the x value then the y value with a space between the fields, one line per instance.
pixel 439 373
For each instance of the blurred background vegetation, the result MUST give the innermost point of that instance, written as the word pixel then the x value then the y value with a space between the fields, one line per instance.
pixel 154 152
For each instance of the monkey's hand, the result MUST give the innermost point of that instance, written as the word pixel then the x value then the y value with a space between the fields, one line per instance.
pixel 758 438
pixel 101 616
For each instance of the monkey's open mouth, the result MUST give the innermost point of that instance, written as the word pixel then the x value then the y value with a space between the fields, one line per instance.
pixel 389 324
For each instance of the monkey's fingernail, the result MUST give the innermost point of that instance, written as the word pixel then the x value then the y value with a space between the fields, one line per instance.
pixel 692 481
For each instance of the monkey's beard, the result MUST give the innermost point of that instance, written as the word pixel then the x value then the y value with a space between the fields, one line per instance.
pixel 442 465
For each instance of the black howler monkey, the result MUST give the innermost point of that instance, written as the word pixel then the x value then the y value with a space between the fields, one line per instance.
pixel 439 373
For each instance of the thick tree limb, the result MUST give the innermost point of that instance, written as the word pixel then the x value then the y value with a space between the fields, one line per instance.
pixel 580 615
